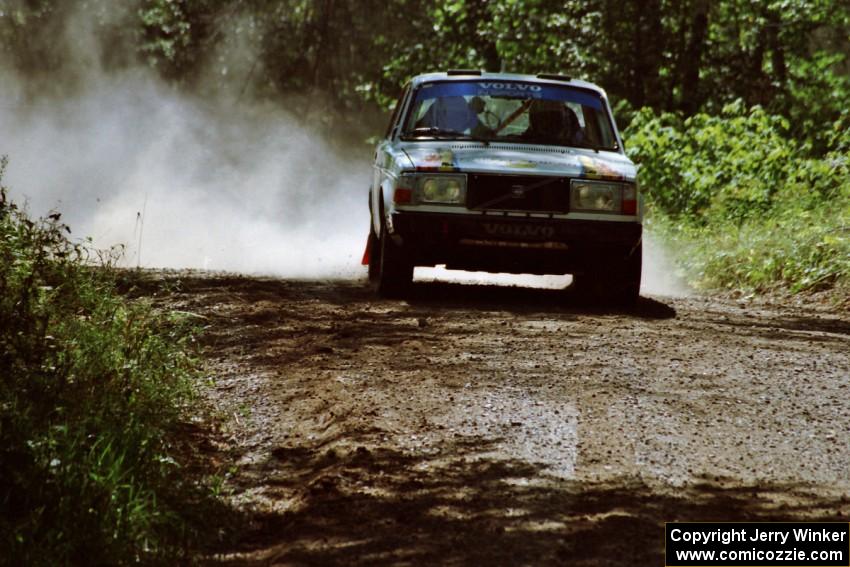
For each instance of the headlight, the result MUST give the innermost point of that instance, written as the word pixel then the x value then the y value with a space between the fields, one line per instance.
pixel 444 189
pixel 601 197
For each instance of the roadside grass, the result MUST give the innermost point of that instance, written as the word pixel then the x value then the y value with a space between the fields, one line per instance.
pixel 93 389
pixel 810 253
pixel 742 205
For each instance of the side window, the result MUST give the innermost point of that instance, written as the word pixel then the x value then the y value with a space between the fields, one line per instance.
pixel 398 104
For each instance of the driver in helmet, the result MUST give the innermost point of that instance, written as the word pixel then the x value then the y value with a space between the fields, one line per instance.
pixel 453 113
pixel 550 121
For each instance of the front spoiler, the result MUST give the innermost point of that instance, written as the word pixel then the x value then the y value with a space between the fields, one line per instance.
pixel 531 245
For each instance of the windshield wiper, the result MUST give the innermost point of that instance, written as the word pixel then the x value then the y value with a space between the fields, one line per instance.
pixel 485 141
pixel 434 132
pixel 538 141
pixel 589 145
pixel 550 142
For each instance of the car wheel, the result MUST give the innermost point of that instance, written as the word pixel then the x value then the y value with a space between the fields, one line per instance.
pixel 610 283
pixel 628 290
pixel 395 273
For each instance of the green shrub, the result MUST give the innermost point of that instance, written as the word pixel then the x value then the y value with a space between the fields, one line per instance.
pixel 91 386
pixel 729 165
pixel 746 205
pixel 800 251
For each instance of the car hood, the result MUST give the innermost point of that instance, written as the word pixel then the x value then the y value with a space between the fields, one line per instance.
pixel 520 159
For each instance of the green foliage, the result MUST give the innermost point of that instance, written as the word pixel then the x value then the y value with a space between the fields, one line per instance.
pixel 819 97
pixel 169 34
pixel 91 385
pixel 712 166
pixel 345 57
pixel 742 201
pixel 531 35
pixel 54 44
pixel 25 31
pixel 793 252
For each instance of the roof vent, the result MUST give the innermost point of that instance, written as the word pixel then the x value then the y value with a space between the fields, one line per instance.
pixel 554 77
pixel 452 72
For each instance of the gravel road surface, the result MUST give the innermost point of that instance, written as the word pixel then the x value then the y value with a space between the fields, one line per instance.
pixel 486 425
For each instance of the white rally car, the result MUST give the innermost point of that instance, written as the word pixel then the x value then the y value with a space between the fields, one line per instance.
pixel 508 173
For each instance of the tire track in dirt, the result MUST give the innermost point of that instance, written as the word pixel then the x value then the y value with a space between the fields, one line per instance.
pixel 498 425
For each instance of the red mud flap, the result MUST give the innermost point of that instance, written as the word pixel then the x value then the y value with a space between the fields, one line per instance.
pixel 365 260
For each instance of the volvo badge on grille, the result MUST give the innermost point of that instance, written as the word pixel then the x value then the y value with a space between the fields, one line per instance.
pixel 517 191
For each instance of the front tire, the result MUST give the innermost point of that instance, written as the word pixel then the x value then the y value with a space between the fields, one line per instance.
pixel 606 282
pixel 395 272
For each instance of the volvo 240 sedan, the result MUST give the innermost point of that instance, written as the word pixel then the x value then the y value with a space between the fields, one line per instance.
pixel 511 173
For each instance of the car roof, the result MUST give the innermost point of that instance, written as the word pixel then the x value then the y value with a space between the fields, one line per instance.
pixel 484 75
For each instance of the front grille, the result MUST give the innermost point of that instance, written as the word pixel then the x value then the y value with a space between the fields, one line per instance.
pixel 518 193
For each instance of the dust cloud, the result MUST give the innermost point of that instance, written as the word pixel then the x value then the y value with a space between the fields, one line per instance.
pixel 187 183
pixel 660 274
pixel 195 178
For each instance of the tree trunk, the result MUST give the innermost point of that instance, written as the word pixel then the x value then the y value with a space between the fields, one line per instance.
pixel 692 58
pixel 777 51
pixel 322 44
pixel 637 66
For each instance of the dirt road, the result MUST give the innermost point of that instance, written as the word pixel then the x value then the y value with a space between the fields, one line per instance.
pixel 479 425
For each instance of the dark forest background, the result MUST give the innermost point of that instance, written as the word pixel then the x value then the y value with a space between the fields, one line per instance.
pixel 688 56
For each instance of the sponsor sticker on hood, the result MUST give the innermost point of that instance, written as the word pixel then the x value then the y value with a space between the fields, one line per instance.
pixel 594 168
pixel 440 159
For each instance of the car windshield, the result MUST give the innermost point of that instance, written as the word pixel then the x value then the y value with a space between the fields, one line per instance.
pixel 516 111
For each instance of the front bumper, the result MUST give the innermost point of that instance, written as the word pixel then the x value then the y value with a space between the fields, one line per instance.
pixel 495 243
